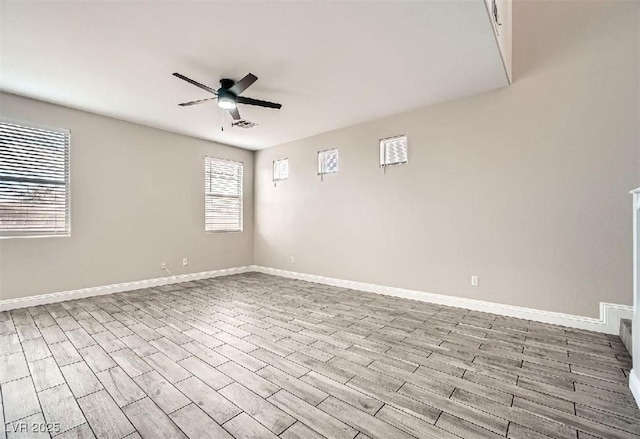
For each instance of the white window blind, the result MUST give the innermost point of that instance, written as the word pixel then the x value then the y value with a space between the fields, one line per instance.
pixel 34 181
pixel 223 195
pixel 328 161
pixel 393 151
pixel 280 169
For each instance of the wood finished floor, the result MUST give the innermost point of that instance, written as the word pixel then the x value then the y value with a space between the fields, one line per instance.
pixel 258 356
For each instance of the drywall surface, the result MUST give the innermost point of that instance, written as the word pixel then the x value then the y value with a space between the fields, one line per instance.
pixel 526 187
pixel 137 198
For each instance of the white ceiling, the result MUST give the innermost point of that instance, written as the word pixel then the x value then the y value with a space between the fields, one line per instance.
pixel 330 64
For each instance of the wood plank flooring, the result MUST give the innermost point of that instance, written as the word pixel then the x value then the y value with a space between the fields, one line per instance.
pixel 258 356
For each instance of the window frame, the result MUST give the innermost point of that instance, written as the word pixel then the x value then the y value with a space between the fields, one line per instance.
pixel 273 170
pixel 67 183
pixel 320 161
pixel 383 150
pixel 240 197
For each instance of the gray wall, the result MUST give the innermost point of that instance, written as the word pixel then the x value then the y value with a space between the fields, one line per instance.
pixel 526 187
pixel 137 198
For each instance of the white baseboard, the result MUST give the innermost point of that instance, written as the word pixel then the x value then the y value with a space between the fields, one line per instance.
pixel 634 385
pixel 609 321
pixel 44 299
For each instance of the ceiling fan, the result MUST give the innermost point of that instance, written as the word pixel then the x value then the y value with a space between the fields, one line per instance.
pixel 228 95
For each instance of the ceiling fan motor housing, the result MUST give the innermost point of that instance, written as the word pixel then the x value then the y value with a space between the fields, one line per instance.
pixel 226 98
pixel 226 94
pixel 227 83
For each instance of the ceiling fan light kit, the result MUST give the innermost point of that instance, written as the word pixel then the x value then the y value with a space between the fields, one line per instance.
pixel 228 96
pixel 226 103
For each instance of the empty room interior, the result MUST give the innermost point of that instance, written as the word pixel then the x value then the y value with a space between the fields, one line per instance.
pixel 312 219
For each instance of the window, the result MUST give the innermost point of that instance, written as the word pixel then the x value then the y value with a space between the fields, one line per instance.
pixel 328 161
pixel 280 169
pixel 223 195
pixel 393 151
pixel 34 181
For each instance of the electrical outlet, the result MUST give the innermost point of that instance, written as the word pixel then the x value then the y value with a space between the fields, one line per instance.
pixel 474 281
pixel 293 260
pixel 185 261
pixel 163 265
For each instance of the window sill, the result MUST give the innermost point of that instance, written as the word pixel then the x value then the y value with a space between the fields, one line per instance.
pixel 222 231
pixel 34 236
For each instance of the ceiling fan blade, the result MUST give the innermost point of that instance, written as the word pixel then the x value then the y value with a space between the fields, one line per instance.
pixel 257 102
pixel 197 84
pixel 235 113
pixel 200 101
pixel 243 84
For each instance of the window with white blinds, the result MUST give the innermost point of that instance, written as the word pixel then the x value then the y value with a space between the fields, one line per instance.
pixel 394 151
pixel 280 169
pixel 327 161
pixel 223 195
pixel 34 181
